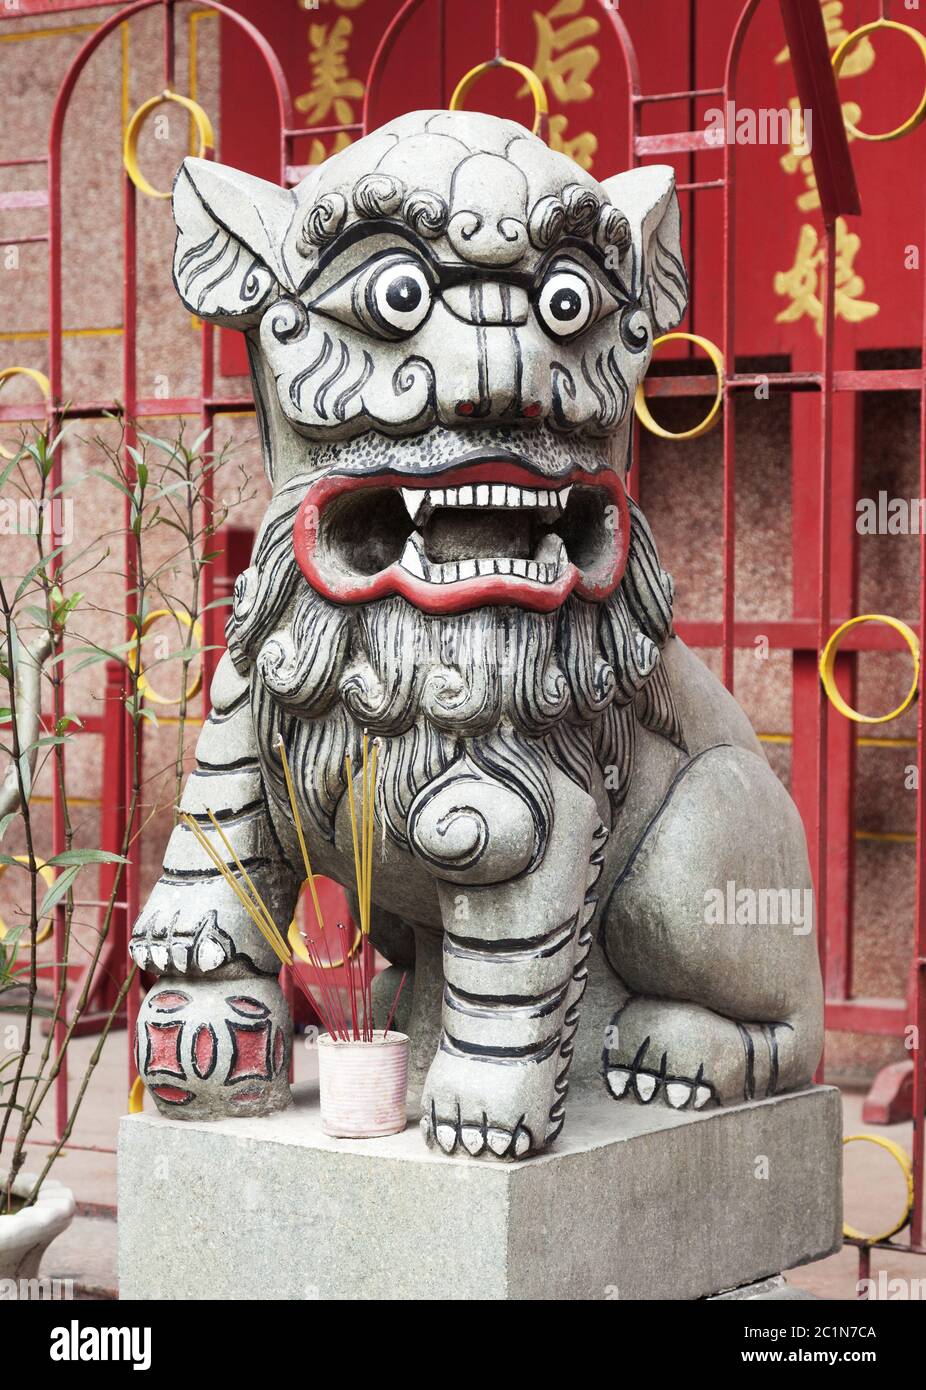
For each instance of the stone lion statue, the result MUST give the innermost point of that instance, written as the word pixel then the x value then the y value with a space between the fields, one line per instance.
pixel 446 324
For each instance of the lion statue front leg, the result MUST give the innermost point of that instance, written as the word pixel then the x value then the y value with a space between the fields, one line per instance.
pixel 214 1033
pixel 514 953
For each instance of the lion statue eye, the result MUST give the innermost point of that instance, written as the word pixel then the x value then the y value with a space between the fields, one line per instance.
pixel 568 300
pixel 389 297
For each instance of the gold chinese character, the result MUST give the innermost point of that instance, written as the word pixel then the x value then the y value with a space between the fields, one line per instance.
pixel 318 153
pixel 581 148
pixel 801 284
pixel 563 66
pixel 858 60
pixel 333 89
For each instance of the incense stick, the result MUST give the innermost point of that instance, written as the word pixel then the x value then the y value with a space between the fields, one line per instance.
pixel 300 832
pixel 258 912
pixel 359 975
pixel 338 1011
pixel 395 1004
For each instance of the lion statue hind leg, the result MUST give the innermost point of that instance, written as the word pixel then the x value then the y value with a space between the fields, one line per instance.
pixel 710 926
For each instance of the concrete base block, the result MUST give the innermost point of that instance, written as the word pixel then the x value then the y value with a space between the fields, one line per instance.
pixel 634 1202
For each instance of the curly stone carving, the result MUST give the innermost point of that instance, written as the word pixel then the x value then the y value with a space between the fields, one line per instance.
pixel 547 221
pixel 378 195
pixel 322 222
pixel 426 213
pixel 582 206
pixel 612 229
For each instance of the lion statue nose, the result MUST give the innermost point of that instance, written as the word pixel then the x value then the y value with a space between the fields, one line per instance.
pixel 488 303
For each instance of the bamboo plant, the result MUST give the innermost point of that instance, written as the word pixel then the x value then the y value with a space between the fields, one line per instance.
pixel 49 631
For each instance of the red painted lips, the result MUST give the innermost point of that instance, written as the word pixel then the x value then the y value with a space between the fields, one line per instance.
pixel 361 537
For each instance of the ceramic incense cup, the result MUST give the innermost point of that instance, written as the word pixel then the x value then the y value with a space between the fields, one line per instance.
pixel 362 1085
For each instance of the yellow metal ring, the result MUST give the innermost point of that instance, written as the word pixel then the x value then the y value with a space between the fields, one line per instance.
pixel 537 90
pixel 841 54
pixel 906 1166
pixel 144 685
pixel 47 876
pixel 137 1096
pixel 133 130
pixel 41 381
pixel 642 408
pixel 828 668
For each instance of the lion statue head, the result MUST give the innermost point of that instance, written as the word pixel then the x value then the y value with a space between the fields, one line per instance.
pixel 446 324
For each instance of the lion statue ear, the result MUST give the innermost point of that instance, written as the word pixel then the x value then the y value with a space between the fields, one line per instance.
pixel 231 231
pixel 647 198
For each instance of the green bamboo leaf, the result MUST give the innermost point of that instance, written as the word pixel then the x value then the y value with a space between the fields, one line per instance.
pixel 113 482
pixel 58 889
pixel 200 440
pixel 65 609
pixel 86 856
pixel 50 741
pixel 4 476
pixel 94 653
pixel 184 485
pixel 163 444
pixel 31 573
pixel 91 661
pixel 181 654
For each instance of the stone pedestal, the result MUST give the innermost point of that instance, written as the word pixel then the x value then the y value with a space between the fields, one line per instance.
pixel 634 1202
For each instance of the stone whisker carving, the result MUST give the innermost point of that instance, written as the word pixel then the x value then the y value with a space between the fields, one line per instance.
pixel 446 325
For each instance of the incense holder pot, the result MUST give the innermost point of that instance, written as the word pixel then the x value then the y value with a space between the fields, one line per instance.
pixel 447 322
pixel 362 1085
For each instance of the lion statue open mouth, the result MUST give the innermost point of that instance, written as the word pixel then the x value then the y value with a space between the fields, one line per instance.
pixel 446 325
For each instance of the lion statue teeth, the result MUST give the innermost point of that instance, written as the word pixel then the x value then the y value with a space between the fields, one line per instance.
pixel 446 324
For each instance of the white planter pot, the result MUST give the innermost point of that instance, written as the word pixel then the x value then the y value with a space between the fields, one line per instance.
pixel 26 1235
